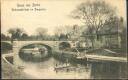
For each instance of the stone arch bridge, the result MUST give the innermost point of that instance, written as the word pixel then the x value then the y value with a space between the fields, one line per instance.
pixel 17 45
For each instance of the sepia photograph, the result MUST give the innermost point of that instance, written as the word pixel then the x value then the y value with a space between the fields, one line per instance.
pixel 64 39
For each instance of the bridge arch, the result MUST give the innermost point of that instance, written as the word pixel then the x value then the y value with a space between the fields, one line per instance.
pixel 38 43
pixel 29 57
pixel 64 45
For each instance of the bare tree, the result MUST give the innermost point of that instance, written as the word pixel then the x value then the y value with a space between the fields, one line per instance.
pixel 90 35
pixel 93 14
pixel 67 30
pixel 58 31
pixel 41 32
pixel 62 30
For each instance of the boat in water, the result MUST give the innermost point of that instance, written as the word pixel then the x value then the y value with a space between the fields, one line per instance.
pixel 35 53
pixel 62 67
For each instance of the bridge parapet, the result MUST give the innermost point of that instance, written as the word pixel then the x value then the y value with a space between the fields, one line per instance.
pixel 6 42
pixel 52 44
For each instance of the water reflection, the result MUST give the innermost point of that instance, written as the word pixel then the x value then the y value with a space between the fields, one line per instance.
pixel 75 70
pixel 35 52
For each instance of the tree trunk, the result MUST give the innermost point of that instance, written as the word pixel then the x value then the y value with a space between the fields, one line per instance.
pixel 92 44
pixel 12 38
pixel 96 35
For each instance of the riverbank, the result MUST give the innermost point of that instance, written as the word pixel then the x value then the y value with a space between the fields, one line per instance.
pixel 10 72
pixel 99 55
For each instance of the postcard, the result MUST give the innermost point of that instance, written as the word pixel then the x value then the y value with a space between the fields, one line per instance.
pixel 64 39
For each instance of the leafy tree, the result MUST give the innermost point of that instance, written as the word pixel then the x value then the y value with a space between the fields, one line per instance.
pixel 24 36
pixel 16 33
pixel 63 37
pixel 4 37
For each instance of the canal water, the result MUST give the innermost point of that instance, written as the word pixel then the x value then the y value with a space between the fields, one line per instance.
pixel 47 69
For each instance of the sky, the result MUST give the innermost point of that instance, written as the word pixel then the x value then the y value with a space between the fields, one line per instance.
pixel 55 14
